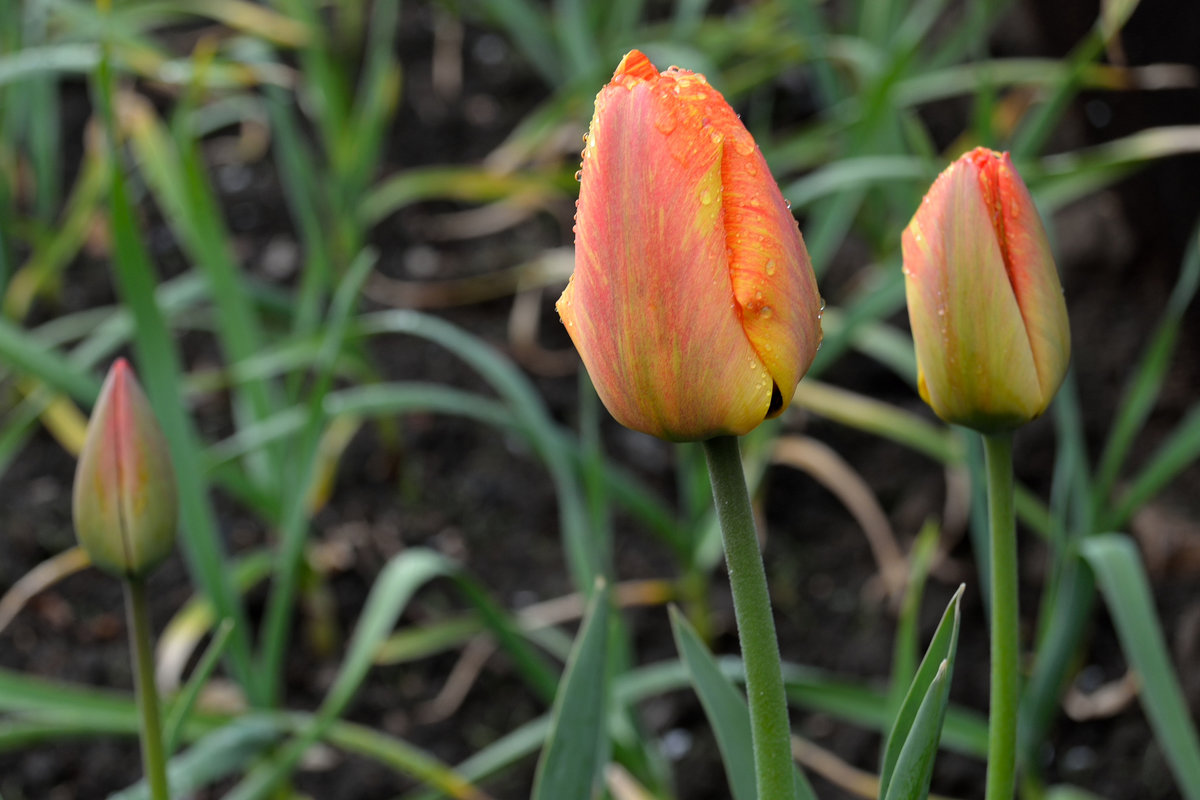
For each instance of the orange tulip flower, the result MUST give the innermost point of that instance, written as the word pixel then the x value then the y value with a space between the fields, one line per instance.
pixel 984 300
pixel 693 302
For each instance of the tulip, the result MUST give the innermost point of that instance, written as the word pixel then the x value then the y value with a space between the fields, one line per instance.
pixel 124 501
pixel 984 301
pixel 693 302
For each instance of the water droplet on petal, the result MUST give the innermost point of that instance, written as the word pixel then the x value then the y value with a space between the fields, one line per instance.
pixel 665 120
pixel 578 174
pixel 771 266
pixel 766 312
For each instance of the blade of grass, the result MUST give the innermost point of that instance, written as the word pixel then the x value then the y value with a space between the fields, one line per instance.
pixel 582 552
pixel 1180 451
pixel 1144 385
pixel 577 743
pixel 218 755
pixel 389 595
pixel 186 701
pixel 175 173
pixel 1122 580
pixel 299 477
pixel 161 375
pixel 906 646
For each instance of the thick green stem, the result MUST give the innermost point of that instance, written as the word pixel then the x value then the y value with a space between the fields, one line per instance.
pixel 1002 722
pixel 154 760
pixel 770 730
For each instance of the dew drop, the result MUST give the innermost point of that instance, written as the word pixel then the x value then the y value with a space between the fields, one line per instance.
pixel 758 295
pixel 716 137
pixel 706 197
pixel 771 267
pixel 578 174
pixel 752 170
pixel 665 121
pixel 822 299
pixel 787 204
pixel 766 312
pixel 754 201
pixel 743 147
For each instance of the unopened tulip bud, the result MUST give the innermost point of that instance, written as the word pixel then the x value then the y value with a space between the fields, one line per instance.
pixel 984 300
pixel 124 501
pixel 693 302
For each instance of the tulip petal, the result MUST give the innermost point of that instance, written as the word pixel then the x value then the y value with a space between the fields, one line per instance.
pixel 1027 252
pixel 977 366
pixel 651 304
pixel 772 276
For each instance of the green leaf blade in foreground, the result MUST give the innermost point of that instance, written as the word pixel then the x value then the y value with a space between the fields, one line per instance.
pixel 575 751
pixel 913 741
pixel 1122 581
pixel 914 767
pixel 727 713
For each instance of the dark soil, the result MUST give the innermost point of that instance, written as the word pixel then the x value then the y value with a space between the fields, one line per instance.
pixel 481 498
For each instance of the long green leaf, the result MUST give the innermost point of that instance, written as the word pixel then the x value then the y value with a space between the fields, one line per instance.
pixel 1126 590
pixel 161 373
pixel 577 746
pixel 914 767
pixel 727 712
pixel 925 703
pixel 723 705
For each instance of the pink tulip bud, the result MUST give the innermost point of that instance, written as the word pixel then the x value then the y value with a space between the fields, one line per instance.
pixel 693 303
pixel 984 301
pixel 124 501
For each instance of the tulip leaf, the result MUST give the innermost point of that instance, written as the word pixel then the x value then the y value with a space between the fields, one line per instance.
pixel 1126 590
pixel 727 713
pixel 914 764
pixel 577 744
pixel 913 741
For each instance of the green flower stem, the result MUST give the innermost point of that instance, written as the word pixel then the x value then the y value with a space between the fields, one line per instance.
pixel 770 730
pixel 154 760
pixel 1002 722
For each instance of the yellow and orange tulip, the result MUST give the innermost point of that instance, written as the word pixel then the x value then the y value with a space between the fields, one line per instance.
pixel 693 302
pixel 124 502
pixel 984 300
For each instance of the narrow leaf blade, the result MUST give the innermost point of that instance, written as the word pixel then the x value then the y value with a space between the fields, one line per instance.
pixel 1122 581
pixel 575 750
pixel 941 649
